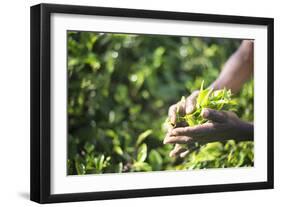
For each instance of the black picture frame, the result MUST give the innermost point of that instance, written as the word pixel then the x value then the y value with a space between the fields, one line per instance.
pixel 41 96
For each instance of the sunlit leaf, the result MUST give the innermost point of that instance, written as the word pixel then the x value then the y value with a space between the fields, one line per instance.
pixel 142 153
pixel 143 136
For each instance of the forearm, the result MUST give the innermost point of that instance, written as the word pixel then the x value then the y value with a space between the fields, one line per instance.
pixel 238 69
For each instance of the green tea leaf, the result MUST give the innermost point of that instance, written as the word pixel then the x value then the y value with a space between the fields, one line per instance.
pixel 80 168
pixel 142 153
pixel 118 150
pixel 155 160
pixel 143 136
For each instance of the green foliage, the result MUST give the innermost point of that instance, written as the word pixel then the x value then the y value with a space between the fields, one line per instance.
pixel 119 90
pixel 217 154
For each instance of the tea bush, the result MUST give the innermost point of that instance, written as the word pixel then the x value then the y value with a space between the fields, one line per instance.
pixel 120 87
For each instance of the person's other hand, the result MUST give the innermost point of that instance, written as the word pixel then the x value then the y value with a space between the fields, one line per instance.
pixel 221 125
pixel 184 107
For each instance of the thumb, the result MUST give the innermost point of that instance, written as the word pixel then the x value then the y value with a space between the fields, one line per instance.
pixel 213 115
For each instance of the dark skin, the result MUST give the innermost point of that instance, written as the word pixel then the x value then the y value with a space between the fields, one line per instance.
pixel 221 124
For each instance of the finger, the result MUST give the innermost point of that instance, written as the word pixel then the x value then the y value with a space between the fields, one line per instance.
pixel 174 109
pixel 167 137
pixel 170 128
pixel 177 140
pixel 181 107
pixel 199 131
pixel 213 115
pixel 190 103
pixel 184 154
pixel 190 150
pixel 176 151
pixel 183 131
pixel 173 114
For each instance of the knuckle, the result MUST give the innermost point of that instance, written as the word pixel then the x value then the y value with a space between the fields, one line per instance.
pixel 175 132
pixel 186 139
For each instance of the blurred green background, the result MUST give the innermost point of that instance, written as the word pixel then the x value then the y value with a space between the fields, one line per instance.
pixel 120 87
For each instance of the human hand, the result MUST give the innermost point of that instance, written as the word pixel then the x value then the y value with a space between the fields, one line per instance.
pixel 222 125
pixel 183 107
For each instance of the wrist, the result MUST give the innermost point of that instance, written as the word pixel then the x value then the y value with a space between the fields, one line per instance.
pixel 245 131
pixel 218 84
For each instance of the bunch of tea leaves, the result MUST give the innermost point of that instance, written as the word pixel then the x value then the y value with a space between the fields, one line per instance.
pixel 208 98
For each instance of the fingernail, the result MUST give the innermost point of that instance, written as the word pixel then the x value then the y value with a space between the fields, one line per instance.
pixel 171 154
pixel 183 154
pixel 165 140
pixel 205 113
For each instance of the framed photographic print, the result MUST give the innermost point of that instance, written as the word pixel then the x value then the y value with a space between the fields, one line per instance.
pixel 133 103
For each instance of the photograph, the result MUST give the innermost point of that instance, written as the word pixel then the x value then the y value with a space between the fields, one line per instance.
pixel 154 102
pixel 130 103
